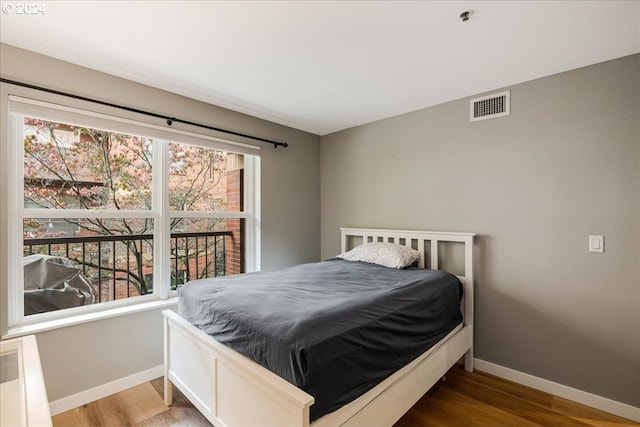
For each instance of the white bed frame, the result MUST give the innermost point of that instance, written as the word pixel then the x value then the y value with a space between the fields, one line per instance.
pixel 232 391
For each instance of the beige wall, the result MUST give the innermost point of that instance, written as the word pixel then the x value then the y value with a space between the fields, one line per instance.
pixel 534 186
pixel 81 357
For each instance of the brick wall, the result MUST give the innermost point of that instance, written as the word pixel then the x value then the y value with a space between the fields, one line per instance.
pixel 235 244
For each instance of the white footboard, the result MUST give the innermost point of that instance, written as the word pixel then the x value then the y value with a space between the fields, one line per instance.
pixel 231 390
pixel 228 388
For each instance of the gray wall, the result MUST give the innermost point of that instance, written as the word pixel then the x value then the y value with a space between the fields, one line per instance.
pixel 534 185
pixel 81 357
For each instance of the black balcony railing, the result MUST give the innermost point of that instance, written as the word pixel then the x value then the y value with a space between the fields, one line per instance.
pixel 121 266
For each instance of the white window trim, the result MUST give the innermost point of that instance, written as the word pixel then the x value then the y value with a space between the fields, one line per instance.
pixel 162 296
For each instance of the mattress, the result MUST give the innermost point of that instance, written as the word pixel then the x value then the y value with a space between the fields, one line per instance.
pixel 335 328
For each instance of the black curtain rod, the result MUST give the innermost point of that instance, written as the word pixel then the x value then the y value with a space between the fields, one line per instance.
pixel 170 120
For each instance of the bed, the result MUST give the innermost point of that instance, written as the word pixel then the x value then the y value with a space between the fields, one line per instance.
pixel 232 390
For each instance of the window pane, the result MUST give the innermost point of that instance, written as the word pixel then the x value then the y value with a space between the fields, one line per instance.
pixel 204 179
pixel 205 247
pixel 73 167
pixel 73 262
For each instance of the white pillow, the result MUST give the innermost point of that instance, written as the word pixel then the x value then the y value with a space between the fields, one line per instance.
pixel 385 254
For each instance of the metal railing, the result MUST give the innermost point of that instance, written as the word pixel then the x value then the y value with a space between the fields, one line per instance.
pixel 121 266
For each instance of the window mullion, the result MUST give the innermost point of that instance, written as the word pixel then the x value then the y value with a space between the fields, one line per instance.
pixel 209 214
pixel 252 209
pixel 84 213
pixel 162 227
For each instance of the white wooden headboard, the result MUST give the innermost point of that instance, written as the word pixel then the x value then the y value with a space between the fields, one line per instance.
pixel 418 240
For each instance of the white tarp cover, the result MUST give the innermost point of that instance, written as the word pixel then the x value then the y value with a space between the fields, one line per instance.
pixel 52 283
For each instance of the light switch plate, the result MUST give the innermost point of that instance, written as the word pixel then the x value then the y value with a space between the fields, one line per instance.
pixel 596 243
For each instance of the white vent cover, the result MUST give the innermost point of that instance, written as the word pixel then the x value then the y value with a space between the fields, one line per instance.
pixel 490 106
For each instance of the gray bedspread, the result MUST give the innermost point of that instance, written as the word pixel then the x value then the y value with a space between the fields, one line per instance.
pixel 334 328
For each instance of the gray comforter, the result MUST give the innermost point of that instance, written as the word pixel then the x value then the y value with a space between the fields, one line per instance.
pixel 334 329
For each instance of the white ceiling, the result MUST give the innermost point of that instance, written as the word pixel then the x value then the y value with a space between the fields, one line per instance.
pixel 323 66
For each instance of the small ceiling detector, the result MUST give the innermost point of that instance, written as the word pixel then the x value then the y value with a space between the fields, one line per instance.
pixel 466 15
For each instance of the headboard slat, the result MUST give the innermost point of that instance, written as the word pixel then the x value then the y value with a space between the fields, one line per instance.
pixel 434 254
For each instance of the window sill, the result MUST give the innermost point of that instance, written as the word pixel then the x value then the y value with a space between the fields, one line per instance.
pixel 21 330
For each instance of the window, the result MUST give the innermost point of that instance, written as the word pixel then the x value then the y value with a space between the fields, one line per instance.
pixel 106 212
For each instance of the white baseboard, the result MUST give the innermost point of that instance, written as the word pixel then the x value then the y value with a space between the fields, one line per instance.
pixel 104 390
pixel 598 402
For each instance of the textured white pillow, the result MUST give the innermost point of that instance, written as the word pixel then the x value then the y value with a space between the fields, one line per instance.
pixel 386 254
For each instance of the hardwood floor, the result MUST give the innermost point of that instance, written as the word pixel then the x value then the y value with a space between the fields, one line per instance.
pixel 463 399
pixel 479 399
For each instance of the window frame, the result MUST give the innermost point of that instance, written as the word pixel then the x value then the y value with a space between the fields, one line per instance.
pixel 19 107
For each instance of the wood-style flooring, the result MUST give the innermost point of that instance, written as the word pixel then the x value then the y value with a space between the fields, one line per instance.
pixel 463 399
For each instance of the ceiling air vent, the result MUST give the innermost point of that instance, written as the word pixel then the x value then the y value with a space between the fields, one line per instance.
pixel 490 106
